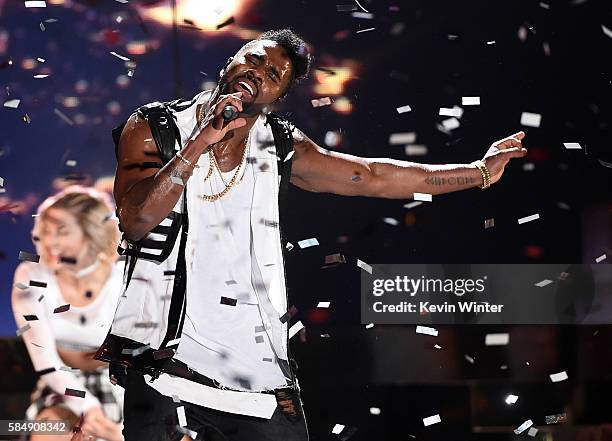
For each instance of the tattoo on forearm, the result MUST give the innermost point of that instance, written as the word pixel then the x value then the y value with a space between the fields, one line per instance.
pixel 459 180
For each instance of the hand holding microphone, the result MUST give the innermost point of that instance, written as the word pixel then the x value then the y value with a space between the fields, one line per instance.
pixel 221 118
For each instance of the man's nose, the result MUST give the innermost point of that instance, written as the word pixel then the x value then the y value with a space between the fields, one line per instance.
pixel 254 77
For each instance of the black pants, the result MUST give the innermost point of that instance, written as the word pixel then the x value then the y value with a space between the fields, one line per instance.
pixel 151 416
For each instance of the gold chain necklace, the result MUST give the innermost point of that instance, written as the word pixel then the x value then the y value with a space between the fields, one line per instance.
pixel 213 164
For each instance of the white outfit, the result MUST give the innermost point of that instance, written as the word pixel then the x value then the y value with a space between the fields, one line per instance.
pixel 80 328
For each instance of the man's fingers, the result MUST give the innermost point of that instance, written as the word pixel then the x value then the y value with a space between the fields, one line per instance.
pixel 238 122
pixel 519 135
pixel 515 152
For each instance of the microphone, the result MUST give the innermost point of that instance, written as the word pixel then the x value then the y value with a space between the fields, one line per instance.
pixel 229 113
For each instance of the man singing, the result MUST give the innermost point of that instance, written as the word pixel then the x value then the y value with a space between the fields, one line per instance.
pixel 200 335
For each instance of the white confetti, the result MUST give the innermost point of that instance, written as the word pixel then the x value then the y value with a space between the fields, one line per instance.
pixel 600 258
pixel 364 266
pixel 365 15
pixel 528 218
pixel 470 101
pixel 369 326
pixel 71 163
pixel 451 124
pixel 606 31
pixel 437 346
pixel 560 376
pixel 364 30
pixel 13 104
pixel 543 283
pixel 531 119
pixel 323 305
pixel 35 4
pixel 544 5
pixel 180 412
pixel 42 60
pixel 455 111
pixel 403 109
pixel 491 42
pixel 469 359
pixel 572 145
pixel 374 411
pixel 402 138
pixel 308 243
pixel 413 204
pixel 391 221
pixel 297 327
pixel 415 150
pixel 501 339
pixel 289 246
pixel 321 102
pixel 121 57
pixel 337 429
pixel 434 419
pixel 520 429
pixel 289 156
pixel 511 399
pixel 41 76
pixel 425 197
pixel 529 166
pixel 426 330
pixel 532 431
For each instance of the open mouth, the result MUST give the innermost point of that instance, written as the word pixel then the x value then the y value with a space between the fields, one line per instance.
pixel 245 86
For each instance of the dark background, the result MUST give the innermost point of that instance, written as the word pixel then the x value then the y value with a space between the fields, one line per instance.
pixel 549 60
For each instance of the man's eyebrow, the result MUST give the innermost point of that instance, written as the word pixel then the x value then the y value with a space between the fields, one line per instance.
pixel 261 57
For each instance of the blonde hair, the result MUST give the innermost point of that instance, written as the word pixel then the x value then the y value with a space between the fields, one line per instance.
pixel 94 212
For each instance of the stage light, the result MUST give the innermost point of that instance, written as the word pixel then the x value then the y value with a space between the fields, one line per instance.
pixel 203 15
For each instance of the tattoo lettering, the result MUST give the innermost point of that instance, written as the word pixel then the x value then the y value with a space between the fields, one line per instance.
pixel 460 180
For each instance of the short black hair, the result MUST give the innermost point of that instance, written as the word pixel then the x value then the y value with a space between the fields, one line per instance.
pixel 296 48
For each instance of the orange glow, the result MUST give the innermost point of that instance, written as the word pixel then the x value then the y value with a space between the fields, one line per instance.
pixel 332 84
pixel 343 106
pixel 205 15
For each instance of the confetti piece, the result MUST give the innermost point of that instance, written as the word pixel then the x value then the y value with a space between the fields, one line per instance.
pixel 30 257
pixel 560 376
pixel 374 411
pixel 259 339
pixel 455 111
pixel 427 330
pixel 413 204
pixel 528 218
pixel 425 197
pixel 402 138
pixel 558 418
pixel 75 393
pixel 469 359
pixel 267 359
pixel 41 297
pixel 572 145
pixel 434 419
pixel 520 429
pixel 606 31
pixel 450 124
pixel 531 119
pixel 42 60
pixel 121 57
pixel 532 431
pixel 176 399
pixel 489 223
pixel 21 285
pixel 369 326
pixel 334 258
pixel 23 329
pixel 415 150
pixel 68 260
pixel 289 156
pixel 145 325
pixel 38 284
pixel 364 30
pixel 391 221
pixel 227 22
pixel 501 339
pixel 30 317
pixel 323 304
pixel 364 15
pixel 71 163
pixel 289 246
pixel 511 399
pixel 228 301
pixel 543 283
pixel 437 346
pixel 403 109
pixel 290 313
pixel 297 327
pixel 544 5
pixel 41 76
pixel 180 412
pixel 337 429
pixel 35 4
pixel 13 104
pixel 600 258
pixel 491 42
pixel 62 308
pixel 308 243
pixel 470 101
pixel 529 166
pixel 63 116
pixel 321 102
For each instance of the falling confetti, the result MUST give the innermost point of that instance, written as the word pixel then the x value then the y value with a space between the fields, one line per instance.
pixel 228 301
pixel 321 102
pixel 470 101
pixel 531 119
pixel 23 255
pixel 403 109
pixel 337 429
pixel 543 283
pixel 61 309
pixel 558 418
pixel 427 330
pixel 520 429
pixel 306 243
pixel 489 223
pixel 35 4
pixel 121 57
pixel 75 393
pixel 402 138
pixel 528 218
pixel 560 376
pixel 374 411
pixel 323 305
pixel 364 266
pixel 23 329
pixel 434 419
pixel 501 339
pixel 511 399
pixel 415 150
pixel 13 104
pixel 297 327
pixel 425 197
pixel 572 145
pixel 601 258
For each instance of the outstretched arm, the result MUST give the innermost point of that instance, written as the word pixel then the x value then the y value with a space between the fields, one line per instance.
pixel 319 170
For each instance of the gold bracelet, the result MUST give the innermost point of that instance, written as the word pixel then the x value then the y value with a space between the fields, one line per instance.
pixel 484 171
pixel 186 161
